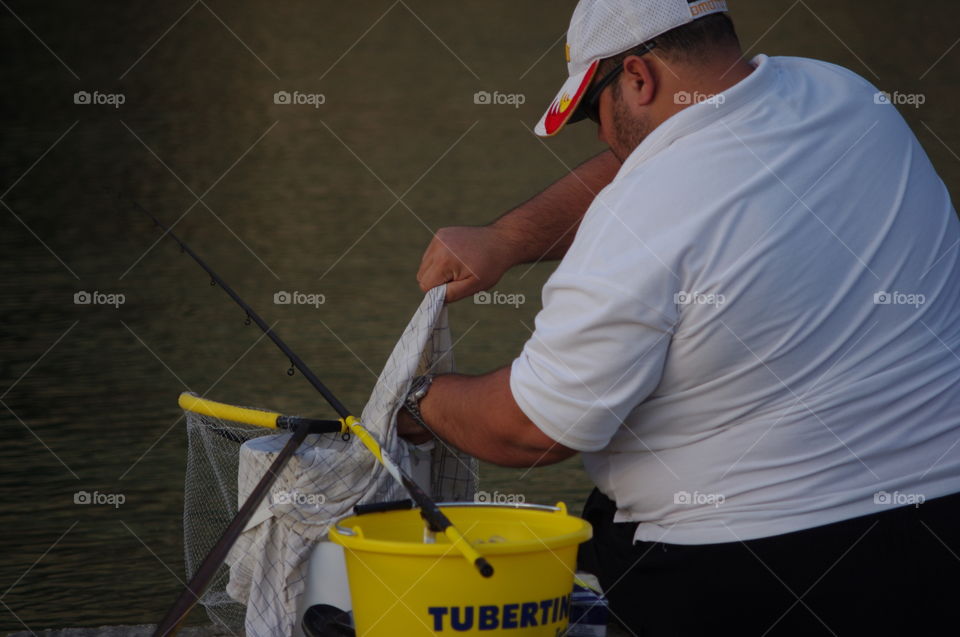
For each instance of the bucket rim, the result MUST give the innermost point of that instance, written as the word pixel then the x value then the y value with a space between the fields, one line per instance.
pixel 356 541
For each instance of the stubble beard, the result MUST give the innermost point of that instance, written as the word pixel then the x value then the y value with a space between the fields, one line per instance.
pixel 628 131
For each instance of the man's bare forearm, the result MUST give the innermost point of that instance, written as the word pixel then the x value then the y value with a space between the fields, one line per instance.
pixel 478 414
pixel 543 227
pixel 473 258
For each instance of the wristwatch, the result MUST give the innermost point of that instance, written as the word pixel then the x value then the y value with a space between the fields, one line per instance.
pixel 418 389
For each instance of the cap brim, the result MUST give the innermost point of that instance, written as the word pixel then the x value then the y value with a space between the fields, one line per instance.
pixel 566 102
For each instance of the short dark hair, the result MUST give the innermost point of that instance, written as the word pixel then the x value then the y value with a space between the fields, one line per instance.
pixel 687 43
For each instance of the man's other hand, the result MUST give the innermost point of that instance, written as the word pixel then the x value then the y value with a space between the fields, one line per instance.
pixel 410 430
pixel 468 259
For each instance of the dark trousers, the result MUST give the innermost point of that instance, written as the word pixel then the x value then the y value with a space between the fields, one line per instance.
pixel 890 573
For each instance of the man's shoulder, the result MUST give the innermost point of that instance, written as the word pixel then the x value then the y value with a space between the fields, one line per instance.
pixel 820 68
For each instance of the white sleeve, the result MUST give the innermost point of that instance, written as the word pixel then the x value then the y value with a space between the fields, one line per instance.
pixel 597 352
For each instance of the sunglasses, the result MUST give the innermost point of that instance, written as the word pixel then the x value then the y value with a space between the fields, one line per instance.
pixel 590 106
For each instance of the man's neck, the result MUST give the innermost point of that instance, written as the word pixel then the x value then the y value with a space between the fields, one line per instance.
pixel 685 86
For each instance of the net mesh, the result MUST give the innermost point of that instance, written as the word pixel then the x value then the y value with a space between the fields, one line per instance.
pixel 256 592
pixel 210 502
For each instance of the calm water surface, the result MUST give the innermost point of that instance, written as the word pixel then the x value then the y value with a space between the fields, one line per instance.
pixel 337 200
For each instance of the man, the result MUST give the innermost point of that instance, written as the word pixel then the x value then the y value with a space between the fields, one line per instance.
pixel 753 337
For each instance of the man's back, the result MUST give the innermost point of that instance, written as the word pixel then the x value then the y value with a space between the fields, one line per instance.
pixel 769 279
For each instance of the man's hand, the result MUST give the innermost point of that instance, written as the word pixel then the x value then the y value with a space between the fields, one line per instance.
pixel 468 259
pixel 410 430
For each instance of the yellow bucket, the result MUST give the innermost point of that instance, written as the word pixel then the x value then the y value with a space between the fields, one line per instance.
pixel 403 586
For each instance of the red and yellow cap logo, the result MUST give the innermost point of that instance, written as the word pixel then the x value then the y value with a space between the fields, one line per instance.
pixel 566 102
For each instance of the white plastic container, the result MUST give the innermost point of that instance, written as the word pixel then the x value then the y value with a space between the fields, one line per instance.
pixel 326 582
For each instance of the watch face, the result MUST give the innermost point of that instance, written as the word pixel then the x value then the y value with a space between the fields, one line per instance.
pixel 420 387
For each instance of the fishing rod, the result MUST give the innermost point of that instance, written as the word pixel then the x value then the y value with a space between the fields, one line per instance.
pixel 436 520
pixel 295 360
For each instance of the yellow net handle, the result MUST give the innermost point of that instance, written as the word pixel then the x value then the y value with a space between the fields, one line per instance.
pixel 189 401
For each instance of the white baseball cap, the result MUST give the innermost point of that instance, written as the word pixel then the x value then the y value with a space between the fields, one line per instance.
pixel 603 28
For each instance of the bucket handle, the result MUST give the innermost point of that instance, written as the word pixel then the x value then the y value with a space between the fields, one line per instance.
pixel 559 508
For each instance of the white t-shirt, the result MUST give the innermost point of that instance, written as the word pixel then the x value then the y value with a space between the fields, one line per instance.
pixel 757 327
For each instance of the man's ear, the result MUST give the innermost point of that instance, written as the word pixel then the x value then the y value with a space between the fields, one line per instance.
pixel 641 85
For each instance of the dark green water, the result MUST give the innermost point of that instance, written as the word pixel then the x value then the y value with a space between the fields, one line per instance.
pixel 291 198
